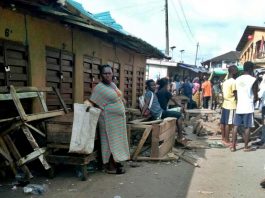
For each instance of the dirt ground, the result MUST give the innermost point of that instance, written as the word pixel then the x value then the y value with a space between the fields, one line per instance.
pixel 222 174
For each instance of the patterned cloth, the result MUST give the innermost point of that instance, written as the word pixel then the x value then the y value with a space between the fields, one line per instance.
pixel 112 122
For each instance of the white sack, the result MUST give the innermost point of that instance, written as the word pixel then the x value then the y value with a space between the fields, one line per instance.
pixel 84 129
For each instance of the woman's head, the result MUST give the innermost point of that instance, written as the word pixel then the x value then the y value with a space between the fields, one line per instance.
pixel 151 85
pixel 106 73
pixel 196 80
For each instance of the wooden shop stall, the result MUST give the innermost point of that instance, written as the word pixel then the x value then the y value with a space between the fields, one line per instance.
pixel 44 43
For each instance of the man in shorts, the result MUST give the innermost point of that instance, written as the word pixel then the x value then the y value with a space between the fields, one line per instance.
pixel 247 89
pixel 229 104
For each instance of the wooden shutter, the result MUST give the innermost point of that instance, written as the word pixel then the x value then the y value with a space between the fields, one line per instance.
pixel 128 81
pixel 91 74
pixel 140 83
pixel 59 74
pixel 13 64
pixel 116 72
pixel 13 71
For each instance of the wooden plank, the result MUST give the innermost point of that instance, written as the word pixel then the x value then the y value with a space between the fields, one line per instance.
pixel 10 45
pixel 14 54
pixel 142 141
pixel 166 146
pixel 167 124
pixel 16 154
pixel 33 89
pixel 58 127
pixel 42 101
pixel 155 143
pixel 162 159
pixel 71 160
pixel 17 62
pixel 19 95
pixel 167 134
pixel 44 115
pixel 32 156
pixel 67 56
pixel 35 147
pixel 51 52
pixel 10 160
pixel 61 100
pixel 59 137
pixel 54 67
pixel 65 119
pixel 58 146
pixel 35 129
pixel 18 104
pixel 18 77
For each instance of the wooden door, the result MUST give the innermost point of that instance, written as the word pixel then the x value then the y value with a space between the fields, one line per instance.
pixel 13 71
pixel 59 74
pixel 128 81
pixel 91 74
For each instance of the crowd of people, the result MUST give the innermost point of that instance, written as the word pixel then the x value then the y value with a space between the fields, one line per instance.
pixel 239 94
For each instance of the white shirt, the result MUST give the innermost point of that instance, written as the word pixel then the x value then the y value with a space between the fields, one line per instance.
pixel 261 93
pixel 245 96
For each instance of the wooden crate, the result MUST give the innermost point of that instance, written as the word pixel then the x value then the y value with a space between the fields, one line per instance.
pixel 162 138
pixel 59 129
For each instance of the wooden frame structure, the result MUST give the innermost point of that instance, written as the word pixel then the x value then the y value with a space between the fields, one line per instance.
pixel 23 122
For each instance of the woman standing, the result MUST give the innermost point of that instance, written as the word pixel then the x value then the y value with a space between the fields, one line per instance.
pixel 112 122
pixel 196 91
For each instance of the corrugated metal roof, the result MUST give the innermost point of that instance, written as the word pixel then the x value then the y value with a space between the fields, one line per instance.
pixel 119 35
pixel 105 17
pixel 229 56
pixel 193 68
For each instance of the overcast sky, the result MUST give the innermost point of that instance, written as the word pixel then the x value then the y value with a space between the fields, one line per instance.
pixel 217 25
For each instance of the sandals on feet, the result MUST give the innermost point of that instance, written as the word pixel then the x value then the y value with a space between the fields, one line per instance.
pixel 248 149
pixel 232 149
pixel 118 171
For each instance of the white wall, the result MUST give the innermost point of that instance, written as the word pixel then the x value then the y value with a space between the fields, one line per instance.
pixel 156 72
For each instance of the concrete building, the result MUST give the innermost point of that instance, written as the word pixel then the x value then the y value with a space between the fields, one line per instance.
pixel 251 45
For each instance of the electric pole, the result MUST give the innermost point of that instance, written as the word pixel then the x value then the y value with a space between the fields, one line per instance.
pixel 166 24
pixel 197 46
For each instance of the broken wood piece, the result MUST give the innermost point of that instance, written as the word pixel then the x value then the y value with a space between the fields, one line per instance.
pixel 165 158
pixel 28 158
pixel 186 159
pixel 35 129
pixel 16 154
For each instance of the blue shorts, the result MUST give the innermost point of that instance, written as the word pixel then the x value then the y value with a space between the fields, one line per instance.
pixel 246 120
pixel 227 116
